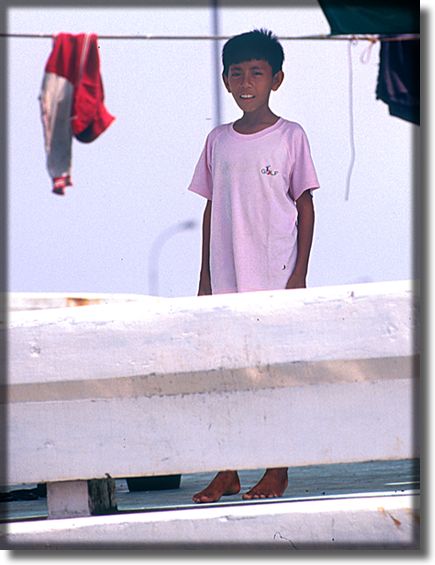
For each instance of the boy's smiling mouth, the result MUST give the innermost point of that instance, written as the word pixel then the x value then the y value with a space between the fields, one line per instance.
pixel 246 96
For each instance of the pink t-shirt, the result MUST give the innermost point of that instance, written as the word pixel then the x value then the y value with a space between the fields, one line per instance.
pixel 253 182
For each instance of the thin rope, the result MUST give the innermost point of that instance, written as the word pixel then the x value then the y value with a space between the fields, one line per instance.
pixel 364 37
pixel 351 121
pixel 367 53
pixel 352 39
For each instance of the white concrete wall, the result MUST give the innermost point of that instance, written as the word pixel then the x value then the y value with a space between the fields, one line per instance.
pixel 311 376
pixel 366 522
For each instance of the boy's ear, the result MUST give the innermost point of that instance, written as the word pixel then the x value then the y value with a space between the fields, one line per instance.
pixel 225 79
pixel 277 80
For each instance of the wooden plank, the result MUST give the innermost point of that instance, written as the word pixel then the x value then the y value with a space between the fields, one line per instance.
pixel 186 385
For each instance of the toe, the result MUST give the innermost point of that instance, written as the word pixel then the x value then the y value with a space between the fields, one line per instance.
pixel 204 498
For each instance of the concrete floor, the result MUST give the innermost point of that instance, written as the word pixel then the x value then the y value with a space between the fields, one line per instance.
pixel 304 483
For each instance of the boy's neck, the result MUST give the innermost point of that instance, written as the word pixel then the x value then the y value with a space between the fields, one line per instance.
pixel 253 122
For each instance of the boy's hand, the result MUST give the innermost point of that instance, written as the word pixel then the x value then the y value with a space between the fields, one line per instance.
pixel 305 208
pixel 204 285
pixel 296 281
pixel 204 291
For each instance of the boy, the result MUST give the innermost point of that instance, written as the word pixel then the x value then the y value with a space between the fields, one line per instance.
pixel 257 176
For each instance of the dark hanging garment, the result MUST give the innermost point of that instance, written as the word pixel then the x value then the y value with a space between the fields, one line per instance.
pixel 399 68
pixel 399 79
pixel 372 17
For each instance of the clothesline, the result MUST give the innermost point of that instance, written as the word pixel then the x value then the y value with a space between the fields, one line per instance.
pixel 352 37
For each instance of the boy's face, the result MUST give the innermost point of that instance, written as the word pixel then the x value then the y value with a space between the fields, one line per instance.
pixel 251 83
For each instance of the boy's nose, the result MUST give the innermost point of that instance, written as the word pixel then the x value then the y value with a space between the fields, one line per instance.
pixel 246 80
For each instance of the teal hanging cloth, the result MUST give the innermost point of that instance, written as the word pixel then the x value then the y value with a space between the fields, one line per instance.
pixel 398 83
pixel 371 17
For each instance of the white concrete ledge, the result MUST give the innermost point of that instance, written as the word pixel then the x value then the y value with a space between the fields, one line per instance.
pixel 378 522
pixel 179 335
pixel 45 300
pixel 168 386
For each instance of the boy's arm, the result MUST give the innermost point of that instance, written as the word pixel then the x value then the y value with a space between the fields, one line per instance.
pixel 305 208
pixel 204 278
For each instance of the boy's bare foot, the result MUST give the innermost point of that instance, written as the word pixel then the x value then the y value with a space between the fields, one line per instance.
pixel 224 483
pixel 272 485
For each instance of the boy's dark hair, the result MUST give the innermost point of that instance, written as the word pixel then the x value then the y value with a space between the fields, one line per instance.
pixel 257 44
